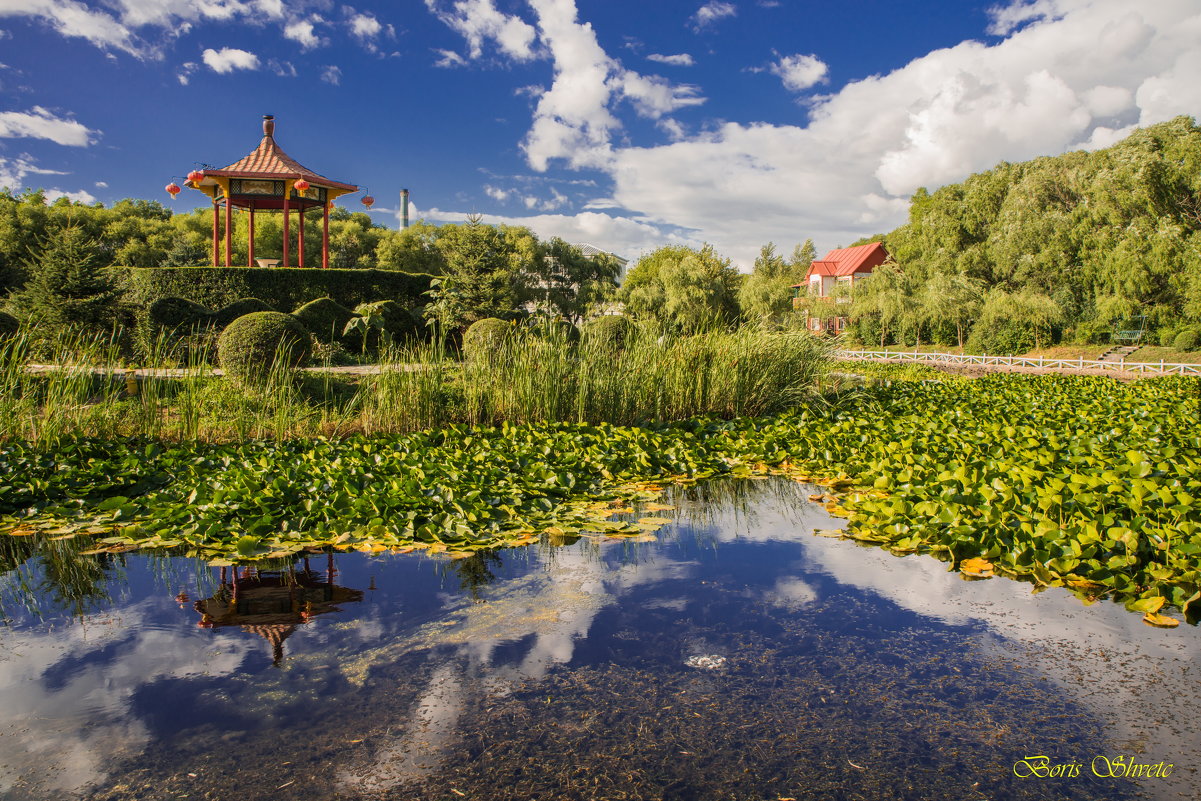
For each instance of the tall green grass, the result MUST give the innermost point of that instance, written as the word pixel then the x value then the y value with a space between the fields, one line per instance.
pixel 539 375
pixel 536 374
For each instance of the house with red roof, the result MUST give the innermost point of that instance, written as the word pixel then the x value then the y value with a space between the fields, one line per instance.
pixel 840 267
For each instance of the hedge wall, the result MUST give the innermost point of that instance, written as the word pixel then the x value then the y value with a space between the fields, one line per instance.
pixel 216 287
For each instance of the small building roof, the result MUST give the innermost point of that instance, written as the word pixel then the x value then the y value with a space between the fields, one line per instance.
pixel 848 261
pixel 591 252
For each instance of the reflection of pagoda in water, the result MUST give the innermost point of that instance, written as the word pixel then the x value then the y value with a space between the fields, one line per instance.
pixel 273 603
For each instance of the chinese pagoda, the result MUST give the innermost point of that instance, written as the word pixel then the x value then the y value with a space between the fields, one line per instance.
pixel 268 179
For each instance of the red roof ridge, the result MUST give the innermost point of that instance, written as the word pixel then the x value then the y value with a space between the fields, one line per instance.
pixel 848 261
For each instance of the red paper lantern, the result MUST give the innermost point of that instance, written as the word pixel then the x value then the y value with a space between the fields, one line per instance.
pixel 302 186
pixel 368 200
pixel 196 176
pixel 172 189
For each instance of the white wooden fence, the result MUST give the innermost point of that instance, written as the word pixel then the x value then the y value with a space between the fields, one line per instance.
pixel 1161 367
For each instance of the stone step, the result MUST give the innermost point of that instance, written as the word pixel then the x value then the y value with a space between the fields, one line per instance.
pixel 1117 354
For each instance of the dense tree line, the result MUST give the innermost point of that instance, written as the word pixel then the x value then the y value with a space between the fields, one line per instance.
pixel 54 258
pixel 1059 246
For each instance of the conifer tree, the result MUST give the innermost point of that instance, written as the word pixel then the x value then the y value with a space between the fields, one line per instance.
pixel 67 285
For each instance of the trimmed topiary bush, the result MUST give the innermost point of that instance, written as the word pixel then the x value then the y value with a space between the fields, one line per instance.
pixel 282 289
pixel 240 308
pixel 248 347
pixel 400 322
pixel 1167 336
pixel 484 338
pixel 1186 340
pixel 551 328
pixel 9 325
pixel 611 331
pixel 179 313
pixel 325 318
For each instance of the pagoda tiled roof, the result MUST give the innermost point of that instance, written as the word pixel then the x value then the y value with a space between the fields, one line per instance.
pixel 268 160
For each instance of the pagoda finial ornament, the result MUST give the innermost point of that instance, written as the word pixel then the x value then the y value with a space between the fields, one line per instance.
pixel 268 125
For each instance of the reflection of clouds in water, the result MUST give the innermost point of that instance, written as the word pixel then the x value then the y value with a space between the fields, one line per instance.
pixel 429 733
pixel 554 605
pixel 67 719
pixel 791 593
pixel 780 510
pixel 1129 673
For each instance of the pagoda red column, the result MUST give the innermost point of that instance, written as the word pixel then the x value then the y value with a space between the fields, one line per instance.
pixel 325 236
pixel 286 210
pixel 216 239
pixel 229 233
pixel 250 238
pixel 300 240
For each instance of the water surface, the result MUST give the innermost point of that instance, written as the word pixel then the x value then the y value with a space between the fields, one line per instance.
pixel 736 657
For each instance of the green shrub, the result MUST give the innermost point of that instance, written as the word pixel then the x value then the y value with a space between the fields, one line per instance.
pixel 403 324
pixel 249 347
pixel 280 289
pixel 325 318
pixel 239 308
pixel 1186 340
pixel 178 313
pixel 8 324
pixel 1166 337
pixel 610 331
pixel 1092 332
pixel 484 339
pixel 554 328
pixel 999 339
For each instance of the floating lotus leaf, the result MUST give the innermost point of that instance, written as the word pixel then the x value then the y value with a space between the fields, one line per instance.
pixel 977 568
pixel 1160 621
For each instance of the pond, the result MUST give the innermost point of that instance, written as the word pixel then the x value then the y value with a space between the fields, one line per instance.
pixel 736 656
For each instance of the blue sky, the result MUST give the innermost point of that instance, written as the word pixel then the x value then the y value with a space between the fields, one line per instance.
pixel 624 124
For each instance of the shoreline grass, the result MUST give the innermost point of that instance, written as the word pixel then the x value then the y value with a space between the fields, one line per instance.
pixel 537 375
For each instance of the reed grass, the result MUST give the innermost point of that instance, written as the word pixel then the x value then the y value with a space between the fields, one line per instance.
pixel 656 377
pixel 536 375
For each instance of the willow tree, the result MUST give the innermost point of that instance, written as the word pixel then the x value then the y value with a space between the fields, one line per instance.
pixel 683 288
pixel 887 297
pixel 951 299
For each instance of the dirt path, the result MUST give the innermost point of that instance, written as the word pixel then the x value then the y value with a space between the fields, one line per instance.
pixel 978 370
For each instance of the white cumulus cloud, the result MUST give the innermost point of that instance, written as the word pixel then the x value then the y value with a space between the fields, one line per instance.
pixel 40 123
pixel 799 72
pixel 574 119
pixel 449 58
pixel 624 236
pixel 76 20
pixel 479 21
pixel 332 75
pixel 303 31
pixel 228 59
pixel 711 12
pixel 81 196
pixel 365 26
pixel 14 170
pixel 678 60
